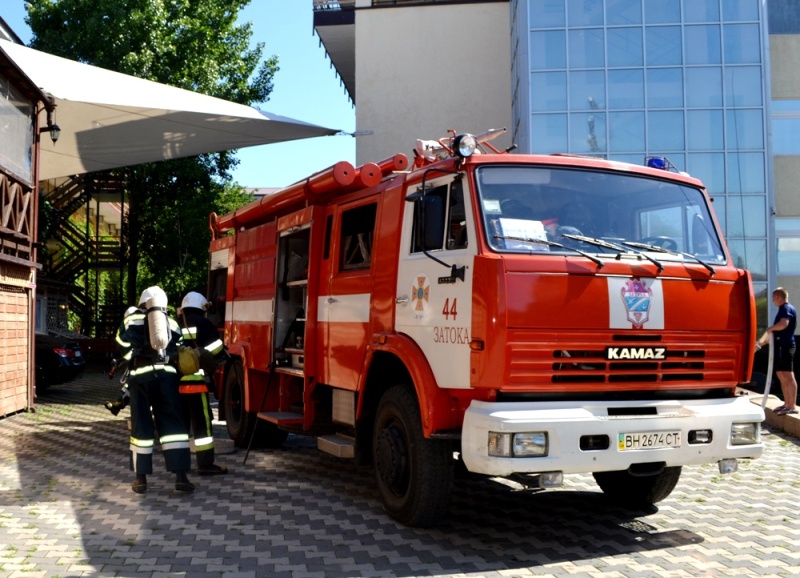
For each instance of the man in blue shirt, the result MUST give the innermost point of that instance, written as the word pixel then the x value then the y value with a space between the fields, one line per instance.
pixel 784 343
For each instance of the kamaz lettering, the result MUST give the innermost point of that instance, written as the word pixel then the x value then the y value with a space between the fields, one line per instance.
pixel 613 353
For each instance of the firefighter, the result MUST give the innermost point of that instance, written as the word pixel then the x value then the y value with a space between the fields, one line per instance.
pixel 150 336
pixel 124 395
pixel 199 332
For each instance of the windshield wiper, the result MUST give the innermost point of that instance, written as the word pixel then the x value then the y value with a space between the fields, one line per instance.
pixel 657 249
pixel 592 258
pixel 613 246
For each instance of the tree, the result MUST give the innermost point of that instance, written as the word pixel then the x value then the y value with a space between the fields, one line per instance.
pixel 190 44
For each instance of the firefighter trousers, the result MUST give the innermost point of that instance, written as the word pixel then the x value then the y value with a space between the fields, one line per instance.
pixel 197 414
pixel 157 389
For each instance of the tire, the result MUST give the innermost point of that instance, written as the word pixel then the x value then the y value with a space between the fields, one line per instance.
pixel 414 474
pixel 241 423
pixel 625 487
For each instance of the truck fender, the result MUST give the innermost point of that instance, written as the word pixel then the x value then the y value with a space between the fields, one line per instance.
pixel 434 403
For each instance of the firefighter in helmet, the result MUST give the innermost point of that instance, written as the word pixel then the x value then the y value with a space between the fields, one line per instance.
pixel 150 336
pixel 199 332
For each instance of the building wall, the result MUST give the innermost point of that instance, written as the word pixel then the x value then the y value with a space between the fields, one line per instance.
pixel 626 79
pixel 14 325
pixel 452 63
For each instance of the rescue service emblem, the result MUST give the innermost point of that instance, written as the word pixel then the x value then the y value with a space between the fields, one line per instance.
pixel 637 353
pixel 421 293
pixel 636 296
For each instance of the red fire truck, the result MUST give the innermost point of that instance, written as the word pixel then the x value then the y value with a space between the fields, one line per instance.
pixel 512 315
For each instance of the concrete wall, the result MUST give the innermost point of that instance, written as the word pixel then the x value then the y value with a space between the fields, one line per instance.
pixel 785 65
pixel 453 64
pixel 785 84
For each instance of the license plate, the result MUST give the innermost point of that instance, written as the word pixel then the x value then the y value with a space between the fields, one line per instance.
pixel 649 440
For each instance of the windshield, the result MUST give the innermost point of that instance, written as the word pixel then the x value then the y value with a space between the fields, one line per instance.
pixel 544 209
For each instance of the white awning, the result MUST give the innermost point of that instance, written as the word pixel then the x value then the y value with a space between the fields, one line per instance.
pixel 110 120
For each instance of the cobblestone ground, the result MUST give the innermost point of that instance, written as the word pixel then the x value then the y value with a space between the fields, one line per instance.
pixel 66 510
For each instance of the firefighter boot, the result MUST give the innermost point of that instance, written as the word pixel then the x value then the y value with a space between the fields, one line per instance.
pixel 139 485
pixel 212 470
pixel 182 483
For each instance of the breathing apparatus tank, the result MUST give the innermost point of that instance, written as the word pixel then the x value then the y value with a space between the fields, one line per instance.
pixel 154 303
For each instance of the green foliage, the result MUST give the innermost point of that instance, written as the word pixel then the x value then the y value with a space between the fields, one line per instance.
pixel 190 44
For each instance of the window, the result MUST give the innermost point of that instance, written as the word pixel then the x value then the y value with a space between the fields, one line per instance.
pixel 444 219
pixel 16 146
pixel 548 210
pixel 358 229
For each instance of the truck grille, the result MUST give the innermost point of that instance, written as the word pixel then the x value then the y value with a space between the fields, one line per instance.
pixel 537 361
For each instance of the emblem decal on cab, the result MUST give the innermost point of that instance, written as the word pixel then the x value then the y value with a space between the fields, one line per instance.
pixel 635 303
pixel 421 293
pixel 636 296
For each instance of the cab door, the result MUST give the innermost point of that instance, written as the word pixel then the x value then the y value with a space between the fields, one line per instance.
pixel 434 283
pixel 344 304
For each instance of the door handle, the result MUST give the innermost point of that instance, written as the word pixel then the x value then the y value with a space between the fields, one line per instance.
pixel 402 300
pixel 332 300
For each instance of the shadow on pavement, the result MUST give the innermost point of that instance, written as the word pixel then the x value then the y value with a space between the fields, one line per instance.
pixel 66 509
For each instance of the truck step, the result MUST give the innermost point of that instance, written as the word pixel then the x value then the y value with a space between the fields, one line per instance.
pixel 281 417
pixel 338 446
pixel 296 371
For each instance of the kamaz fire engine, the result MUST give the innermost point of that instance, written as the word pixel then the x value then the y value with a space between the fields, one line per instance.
pixel 525 316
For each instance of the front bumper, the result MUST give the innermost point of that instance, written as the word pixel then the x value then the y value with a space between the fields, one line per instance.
pixel 567 422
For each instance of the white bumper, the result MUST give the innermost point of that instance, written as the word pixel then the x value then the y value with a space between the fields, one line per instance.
pixel 567 422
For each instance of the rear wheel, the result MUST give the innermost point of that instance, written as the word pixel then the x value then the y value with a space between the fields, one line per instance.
pixel 414 474
pixel 241 423
pixel 625 487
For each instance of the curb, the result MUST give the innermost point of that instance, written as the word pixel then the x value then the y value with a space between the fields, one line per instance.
pixel 788 424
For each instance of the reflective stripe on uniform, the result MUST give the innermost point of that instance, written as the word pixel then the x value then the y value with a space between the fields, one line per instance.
pixel 142 447
pixel 150 368
pixel 174 442
pixel 132 319
pixel 203 444
pixel 215 347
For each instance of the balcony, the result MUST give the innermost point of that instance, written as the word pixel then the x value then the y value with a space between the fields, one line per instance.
pixel 335 24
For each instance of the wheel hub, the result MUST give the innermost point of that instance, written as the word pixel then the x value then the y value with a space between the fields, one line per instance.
pixel 392 459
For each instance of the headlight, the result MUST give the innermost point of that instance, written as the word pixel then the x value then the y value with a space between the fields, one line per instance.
pixel 464 145
pixel 518 445
pixel 743 434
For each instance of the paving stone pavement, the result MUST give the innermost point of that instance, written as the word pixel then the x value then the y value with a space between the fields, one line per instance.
pixel 67 510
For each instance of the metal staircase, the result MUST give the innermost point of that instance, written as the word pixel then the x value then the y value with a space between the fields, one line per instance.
pixel 85 235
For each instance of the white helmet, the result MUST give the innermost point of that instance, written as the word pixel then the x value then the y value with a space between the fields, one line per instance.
pixel 156 293
pixel 194 300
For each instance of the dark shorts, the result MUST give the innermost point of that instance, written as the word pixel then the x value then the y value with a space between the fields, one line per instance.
pixel 784 357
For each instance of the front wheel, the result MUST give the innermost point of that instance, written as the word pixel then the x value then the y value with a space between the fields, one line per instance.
pixel 625 487
pixel 414 474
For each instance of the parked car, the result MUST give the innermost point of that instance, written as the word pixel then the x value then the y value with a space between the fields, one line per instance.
pixel 761 363
pixel 58 360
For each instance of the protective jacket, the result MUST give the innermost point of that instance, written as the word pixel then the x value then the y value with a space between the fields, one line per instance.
pixel 199 332
pixel 153 383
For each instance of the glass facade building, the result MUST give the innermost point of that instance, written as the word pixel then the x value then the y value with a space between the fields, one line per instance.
pixel 685 79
